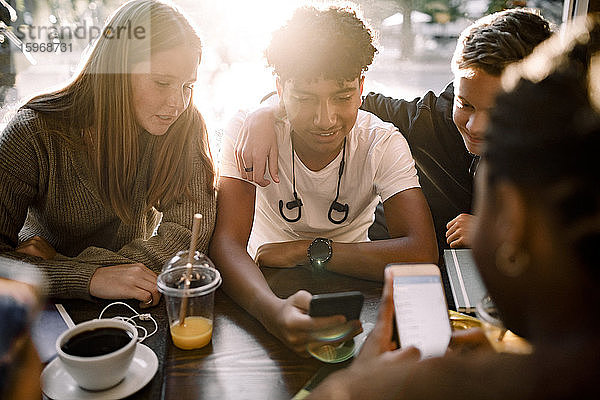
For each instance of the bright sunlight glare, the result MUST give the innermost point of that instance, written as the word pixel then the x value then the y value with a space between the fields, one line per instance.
pixel 233 74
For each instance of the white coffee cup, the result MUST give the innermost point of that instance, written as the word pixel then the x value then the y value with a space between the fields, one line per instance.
pixel 102 371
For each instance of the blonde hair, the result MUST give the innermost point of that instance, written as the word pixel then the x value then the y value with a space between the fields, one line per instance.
pixel 98 103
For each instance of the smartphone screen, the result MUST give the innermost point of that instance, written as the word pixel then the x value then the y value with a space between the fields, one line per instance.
pixel 421 313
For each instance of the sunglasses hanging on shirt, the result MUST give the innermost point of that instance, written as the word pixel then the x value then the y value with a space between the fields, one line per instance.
pixel 297 202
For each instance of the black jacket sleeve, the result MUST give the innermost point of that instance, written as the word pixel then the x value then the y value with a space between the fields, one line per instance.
pixel 397 111
pixel 440 155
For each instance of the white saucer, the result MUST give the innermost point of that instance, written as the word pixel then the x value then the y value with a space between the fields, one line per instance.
pixel 57 384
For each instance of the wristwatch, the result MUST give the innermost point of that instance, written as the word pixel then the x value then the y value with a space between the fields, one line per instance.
pixel 319 253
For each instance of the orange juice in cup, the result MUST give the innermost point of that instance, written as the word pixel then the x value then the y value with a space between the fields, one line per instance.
pixel 189 295
pixel 194 333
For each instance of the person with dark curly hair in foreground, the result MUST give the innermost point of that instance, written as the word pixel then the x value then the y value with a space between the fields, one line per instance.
pixel 336 163
pixel 536 246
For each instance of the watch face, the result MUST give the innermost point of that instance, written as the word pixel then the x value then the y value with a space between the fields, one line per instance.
pixel 319 250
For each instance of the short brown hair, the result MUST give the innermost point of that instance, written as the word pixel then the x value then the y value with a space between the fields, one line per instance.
pixel 499 39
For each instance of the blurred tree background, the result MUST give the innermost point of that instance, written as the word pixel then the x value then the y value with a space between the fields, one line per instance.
pixel 409 13
pixel 416 40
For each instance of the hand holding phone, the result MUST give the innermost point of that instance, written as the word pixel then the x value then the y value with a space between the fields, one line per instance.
pixel 348 304
pixel 420 308
pixel 333 344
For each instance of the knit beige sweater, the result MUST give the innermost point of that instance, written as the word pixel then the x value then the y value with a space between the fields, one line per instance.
pixel 46 189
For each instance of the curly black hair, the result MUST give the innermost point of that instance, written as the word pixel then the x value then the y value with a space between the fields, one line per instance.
pixel 499 39
pixel 332 43
pixel 544 134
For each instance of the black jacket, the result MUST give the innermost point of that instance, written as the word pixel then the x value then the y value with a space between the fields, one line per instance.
pixel 442 159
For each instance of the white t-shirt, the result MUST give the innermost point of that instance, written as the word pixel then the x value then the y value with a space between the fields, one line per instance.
pixel 378 165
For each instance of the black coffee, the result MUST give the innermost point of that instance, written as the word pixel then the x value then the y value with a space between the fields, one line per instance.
pixel 97 342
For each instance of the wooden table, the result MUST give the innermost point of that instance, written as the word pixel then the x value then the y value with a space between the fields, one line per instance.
pixel 244 361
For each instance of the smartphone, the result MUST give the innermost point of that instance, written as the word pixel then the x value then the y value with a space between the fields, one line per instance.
pixel 348 304
pixel 421 312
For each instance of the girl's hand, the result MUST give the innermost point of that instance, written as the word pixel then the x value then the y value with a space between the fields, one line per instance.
pixel 126 281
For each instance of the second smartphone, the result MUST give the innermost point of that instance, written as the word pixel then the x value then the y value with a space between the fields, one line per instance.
pixel 420 308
